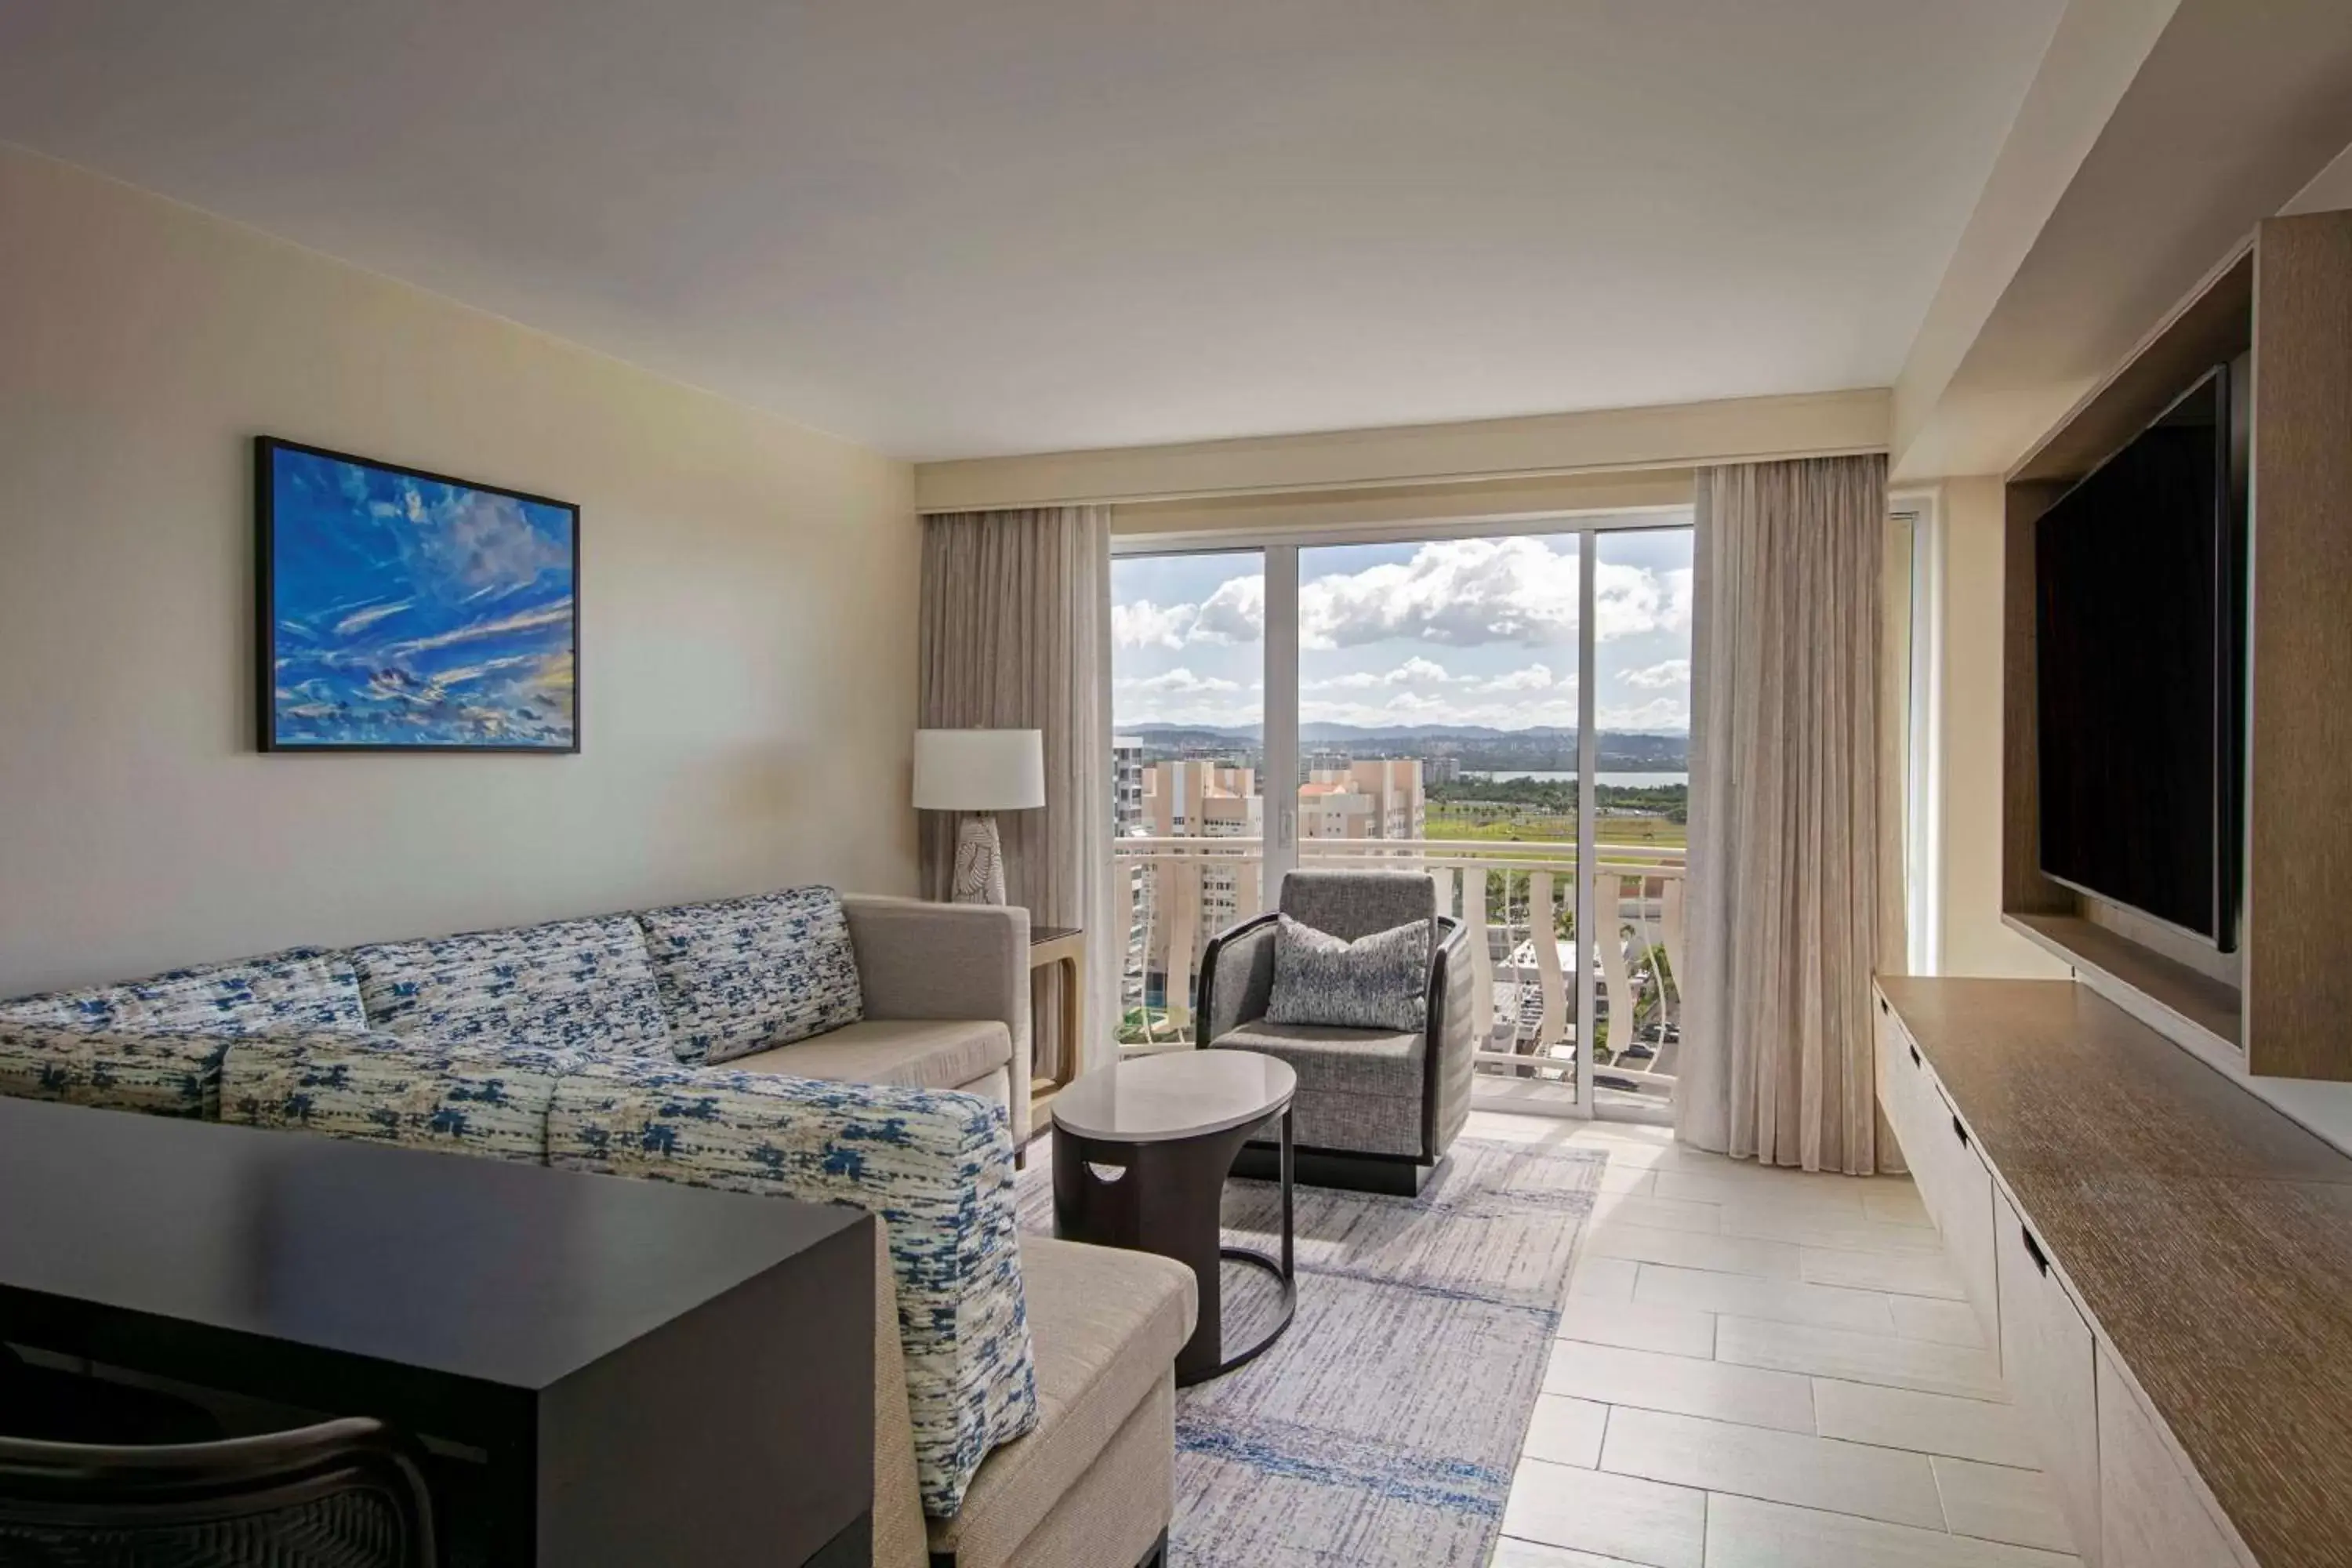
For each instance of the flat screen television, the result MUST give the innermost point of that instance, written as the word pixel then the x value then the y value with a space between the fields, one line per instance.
pixel 2139 662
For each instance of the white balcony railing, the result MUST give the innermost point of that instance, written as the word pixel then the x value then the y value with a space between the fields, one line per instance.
pixel 1518 898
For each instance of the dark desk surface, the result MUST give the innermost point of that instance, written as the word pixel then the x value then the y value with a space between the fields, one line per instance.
pixel 514 1275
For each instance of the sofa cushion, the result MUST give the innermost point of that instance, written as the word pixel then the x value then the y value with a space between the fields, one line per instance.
pixel 938 1167
pixel 1359 1090
pixel 744 974
pixel 1108 1324
pixel 162 1072
pixel 913 1053
pixel 302 988
pixel 584 985
pixel 481 1096
pixel 1375 981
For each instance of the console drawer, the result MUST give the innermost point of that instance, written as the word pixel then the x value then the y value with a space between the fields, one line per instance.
pixel 2149 1514
pixel 2049 1363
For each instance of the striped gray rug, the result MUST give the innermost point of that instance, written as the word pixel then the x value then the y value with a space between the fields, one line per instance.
pixel 1384 1428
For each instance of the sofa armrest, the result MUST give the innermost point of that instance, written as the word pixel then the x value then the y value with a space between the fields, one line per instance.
pixel 935 1167
pixel 1237 978
pixel 898 1539
pixel 919 960
pixel 164 1072
pixel 480 1097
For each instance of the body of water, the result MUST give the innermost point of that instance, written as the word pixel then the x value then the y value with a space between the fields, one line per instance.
pixel 1553 775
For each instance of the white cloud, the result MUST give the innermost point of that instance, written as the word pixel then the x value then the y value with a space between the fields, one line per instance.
pixel 1235 613
pixel 1666 714
pixel 1635 601
pixel 1465 592
pixel 1414 672
pixel 1178 682
pixel 1534 678
pixel 1473 592
pixel 1143 624
pixel 1660 676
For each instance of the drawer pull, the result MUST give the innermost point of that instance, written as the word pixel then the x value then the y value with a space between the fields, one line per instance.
pixel 1959 1133
pixel 2033 1249
pixel 1915 1058
pixel 1881 1004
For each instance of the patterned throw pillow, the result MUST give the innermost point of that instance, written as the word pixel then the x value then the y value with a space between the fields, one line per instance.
pixel 746 973
pixel 302 988
pixel 584 985
pixel 1377 981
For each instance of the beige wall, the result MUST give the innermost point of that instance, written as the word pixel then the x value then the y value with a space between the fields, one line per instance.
pixel 748 596
pixel 1969 569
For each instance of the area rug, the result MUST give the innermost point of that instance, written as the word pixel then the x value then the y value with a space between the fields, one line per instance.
pixel 1384 1428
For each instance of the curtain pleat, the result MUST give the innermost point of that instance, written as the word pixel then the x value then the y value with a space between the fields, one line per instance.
pixel 1016 634
pixel 1794 892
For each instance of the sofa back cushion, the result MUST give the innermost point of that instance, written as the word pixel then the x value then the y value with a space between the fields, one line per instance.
pixel 477 1097
pixel 165 1072
pixel 302 988
pixel 575 985
pixel 743 974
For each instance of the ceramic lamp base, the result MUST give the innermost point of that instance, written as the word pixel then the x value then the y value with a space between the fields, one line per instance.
pixel 979 861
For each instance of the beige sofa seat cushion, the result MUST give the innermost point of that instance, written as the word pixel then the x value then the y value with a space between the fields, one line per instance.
pixel 909 1053
pixel 1108 1325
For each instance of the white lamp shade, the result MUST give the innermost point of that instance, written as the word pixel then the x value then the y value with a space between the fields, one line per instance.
pixel 978 770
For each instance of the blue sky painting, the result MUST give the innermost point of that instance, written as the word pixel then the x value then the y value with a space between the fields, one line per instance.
pixel 410 612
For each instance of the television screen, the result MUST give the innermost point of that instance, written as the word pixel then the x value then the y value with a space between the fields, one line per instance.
pixel 2138 671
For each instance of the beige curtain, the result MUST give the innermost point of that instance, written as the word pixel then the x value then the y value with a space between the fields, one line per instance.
pixel 1795 873
pixel 1016 634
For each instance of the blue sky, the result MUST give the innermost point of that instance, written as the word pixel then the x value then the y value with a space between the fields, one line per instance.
pixel 1469 631
pixel 413 613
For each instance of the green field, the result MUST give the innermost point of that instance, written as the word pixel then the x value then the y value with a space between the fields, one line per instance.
pixel 1535 827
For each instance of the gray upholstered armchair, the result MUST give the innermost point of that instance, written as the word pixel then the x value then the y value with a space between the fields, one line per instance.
pixel 1375 1110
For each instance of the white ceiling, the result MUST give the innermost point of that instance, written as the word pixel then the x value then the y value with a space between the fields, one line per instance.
pixel 954 229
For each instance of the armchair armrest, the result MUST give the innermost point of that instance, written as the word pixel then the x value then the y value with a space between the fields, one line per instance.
pixel 937 1167
pixel 1452 1035
pixel 919 960
pixel 1237 978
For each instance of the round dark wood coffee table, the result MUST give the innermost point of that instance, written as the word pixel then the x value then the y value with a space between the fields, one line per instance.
pixel 1141 1153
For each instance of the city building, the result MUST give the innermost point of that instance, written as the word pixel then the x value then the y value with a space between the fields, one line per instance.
pixel 1126 784
pixel 1380 799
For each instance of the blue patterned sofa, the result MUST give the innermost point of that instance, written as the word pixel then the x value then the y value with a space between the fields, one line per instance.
pixel 867 1051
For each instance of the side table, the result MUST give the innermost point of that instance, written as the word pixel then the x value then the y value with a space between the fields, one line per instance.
pixel 1063 948
pixel 1141 1150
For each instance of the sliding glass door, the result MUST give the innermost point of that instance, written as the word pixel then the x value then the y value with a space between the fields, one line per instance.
pixel 1507 713
pixel 1188 704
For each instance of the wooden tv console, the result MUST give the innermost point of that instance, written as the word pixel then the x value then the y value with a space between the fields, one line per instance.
pixel 2163 1261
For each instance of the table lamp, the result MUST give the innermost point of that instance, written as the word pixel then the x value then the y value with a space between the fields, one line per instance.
pixel 979 773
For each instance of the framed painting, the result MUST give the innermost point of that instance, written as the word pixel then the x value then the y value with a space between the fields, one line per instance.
pixel 403 611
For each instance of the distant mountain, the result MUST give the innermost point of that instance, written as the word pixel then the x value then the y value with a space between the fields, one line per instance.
pixel 1479 746
pixel 1323 734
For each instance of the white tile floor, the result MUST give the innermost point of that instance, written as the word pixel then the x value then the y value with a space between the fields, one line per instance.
pixel 1763 1369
